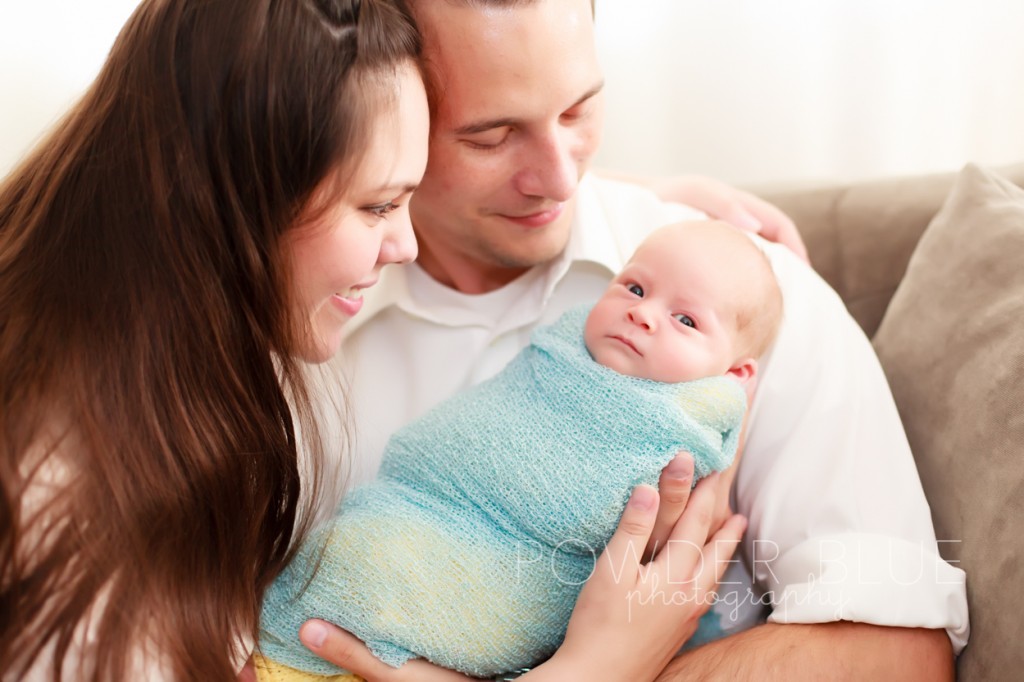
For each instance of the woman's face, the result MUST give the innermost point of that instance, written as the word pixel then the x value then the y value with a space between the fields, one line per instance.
pixel 342 253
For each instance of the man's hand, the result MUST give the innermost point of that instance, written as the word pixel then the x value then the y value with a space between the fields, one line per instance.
pixel 724 202
pixel 823 651
pixel 734 206
pixel 345 650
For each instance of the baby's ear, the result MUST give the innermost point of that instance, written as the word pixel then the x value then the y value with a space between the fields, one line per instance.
pixel 744 371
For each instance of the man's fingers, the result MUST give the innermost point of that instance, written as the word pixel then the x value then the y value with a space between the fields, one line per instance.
pixel 753 214
pixel 674 490
pixel 333 644
pixel 345 650
pixel 776 226
pixel 738 215
pixel 779 227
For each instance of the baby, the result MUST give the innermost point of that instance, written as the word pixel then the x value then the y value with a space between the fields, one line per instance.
pixel 471 548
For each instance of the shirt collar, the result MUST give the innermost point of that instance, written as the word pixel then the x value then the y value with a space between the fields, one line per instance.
pixel 592 239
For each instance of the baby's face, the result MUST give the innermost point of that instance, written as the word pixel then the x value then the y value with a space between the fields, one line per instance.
pixel 670 314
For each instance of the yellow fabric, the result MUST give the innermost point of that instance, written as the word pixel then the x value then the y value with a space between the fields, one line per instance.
pixel 269 671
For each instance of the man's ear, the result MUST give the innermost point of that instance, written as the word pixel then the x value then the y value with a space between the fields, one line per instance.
pixel 744 371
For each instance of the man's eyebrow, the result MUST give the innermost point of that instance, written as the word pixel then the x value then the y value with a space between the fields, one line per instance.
pixel 484 126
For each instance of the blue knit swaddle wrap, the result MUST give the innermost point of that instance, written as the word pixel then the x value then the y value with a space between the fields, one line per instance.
pixel 472 546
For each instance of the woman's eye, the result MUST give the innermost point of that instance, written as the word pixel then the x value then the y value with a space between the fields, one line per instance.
pixel 686 320
pixel 636 290
pixel 381 210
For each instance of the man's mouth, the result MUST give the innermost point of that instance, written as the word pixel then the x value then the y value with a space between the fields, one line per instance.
pixel 538 218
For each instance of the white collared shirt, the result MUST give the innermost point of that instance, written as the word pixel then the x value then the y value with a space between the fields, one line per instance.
pixel 839 528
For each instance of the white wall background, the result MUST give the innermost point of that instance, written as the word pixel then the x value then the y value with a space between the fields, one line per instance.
pixel 50 50
pixel 765 91
pixel 751 91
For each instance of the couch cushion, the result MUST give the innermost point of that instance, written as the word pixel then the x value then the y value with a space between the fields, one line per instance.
pixel 952 344
pixel 860 236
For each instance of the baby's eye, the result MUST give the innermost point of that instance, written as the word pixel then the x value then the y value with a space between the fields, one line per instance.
pixel 686 320
pixel 636 290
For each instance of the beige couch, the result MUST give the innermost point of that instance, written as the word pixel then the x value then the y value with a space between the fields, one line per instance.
pixel 932 267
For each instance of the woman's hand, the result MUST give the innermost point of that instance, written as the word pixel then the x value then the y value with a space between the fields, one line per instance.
pixel 631 618
pixel 674 487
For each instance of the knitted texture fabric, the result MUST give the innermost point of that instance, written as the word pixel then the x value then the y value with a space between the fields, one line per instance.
pixel 490 511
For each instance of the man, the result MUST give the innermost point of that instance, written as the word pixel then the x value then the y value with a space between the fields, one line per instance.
pixel 513 230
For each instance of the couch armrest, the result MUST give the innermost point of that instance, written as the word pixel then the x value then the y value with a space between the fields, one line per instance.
pixel 860 236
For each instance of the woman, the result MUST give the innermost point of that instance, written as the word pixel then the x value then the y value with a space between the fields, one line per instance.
pixel 195 229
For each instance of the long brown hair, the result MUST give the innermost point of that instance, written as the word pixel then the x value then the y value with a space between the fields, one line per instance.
pixel 149 399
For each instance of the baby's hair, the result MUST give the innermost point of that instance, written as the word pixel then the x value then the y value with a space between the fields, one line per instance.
pixel 759 316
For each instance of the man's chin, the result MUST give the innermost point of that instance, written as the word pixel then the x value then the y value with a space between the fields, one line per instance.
pixel 538 247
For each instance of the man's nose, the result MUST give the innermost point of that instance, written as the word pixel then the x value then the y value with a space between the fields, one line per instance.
pixel 551 168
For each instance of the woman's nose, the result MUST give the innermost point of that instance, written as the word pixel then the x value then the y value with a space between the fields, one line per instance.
pixel 399 244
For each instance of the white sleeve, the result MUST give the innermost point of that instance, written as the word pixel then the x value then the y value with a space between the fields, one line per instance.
pixel 839 528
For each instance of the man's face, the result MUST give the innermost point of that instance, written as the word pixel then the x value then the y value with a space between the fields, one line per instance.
pixel 518 115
